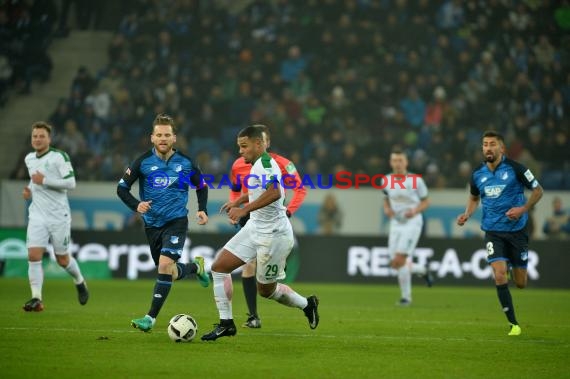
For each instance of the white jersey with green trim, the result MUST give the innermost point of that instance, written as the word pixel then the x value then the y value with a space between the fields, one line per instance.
pixel 271 218
pixel 49 200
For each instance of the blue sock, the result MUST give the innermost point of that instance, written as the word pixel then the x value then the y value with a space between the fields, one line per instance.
pixel 160 293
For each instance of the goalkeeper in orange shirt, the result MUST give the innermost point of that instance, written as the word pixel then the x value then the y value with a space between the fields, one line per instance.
pixel 291 180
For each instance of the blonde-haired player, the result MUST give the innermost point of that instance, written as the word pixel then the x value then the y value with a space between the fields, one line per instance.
pixel 51 175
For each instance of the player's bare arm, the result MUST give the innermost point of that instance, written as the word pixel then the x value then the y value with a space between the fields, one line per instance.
pixel 233 204
pixel 472 205
pixel 269 196
pixel 516 212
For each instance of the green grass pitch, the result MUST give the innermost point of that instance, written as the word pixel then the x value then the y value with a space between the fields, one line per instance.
pixel 449 332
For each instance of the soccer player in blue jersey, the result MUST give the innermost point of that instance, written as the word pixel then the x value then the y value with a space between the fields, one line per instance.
pixel 165 176
pixel 499 184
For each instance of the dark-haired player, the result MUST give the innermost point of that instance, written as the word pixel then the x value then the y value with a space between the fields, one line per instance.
pixel 499 184
pixel 292 181
pixel 267 238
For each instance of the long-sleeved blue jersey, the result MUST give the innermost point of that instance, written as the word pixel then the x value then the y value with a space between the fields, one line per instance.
pixel 501 190
pixel 166 183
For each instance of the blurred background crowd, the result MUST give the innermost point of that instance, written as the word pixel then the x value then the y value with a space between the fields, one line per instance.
pixel 339 83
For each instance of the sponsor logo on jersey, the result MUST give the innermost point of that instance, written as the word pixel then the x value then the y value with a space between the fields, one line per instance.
pixel 483 179
pixel 494 191
pixel 178 168
pixel 174 239
pixel 505 176
pixel 154 168
pixel 160 179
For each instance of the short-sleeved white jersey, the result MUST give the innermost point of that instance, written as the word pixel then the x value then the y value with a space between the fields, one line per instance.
pixel 405 196
pixel 265 172
pixel 49 200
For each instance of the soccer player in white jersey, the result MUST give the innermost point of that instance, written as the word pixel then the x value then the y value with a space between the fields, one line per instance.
pixel 406 197
pixel 267 237
pixel 51 175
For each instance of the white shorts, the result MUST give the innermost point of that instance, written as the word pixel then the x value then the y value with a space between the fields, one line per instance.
pixel 270 250
pixel 40 234
pixel 403 239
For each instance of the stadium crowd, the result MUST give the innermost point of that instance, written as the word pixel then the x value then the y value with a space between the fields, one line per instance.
pixel 339 82
pixel 26 31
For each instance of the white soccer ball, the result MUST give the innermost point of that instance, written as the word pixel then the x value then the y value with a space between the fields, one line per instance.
pixel 182 328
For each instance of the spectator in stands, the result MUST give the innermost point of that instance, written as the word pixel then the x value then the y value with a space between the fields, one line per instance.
pixel 293 65
pixel 320 52
pixel 330 216
pixel 414 108
pixel 558 224
pixel 5 78
pixel 436 109
pixel 72 139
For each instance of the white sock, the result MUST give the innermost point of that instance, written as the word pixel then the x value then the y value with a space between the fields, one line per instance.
pixel 36 277
pixel 405 281
pixel 73 270
pixel 285 295
pixel 223 292
pixel 152 319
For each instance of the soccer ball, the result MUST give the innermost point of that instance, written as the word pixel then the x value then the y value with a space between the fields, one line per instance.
pixel 182 328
